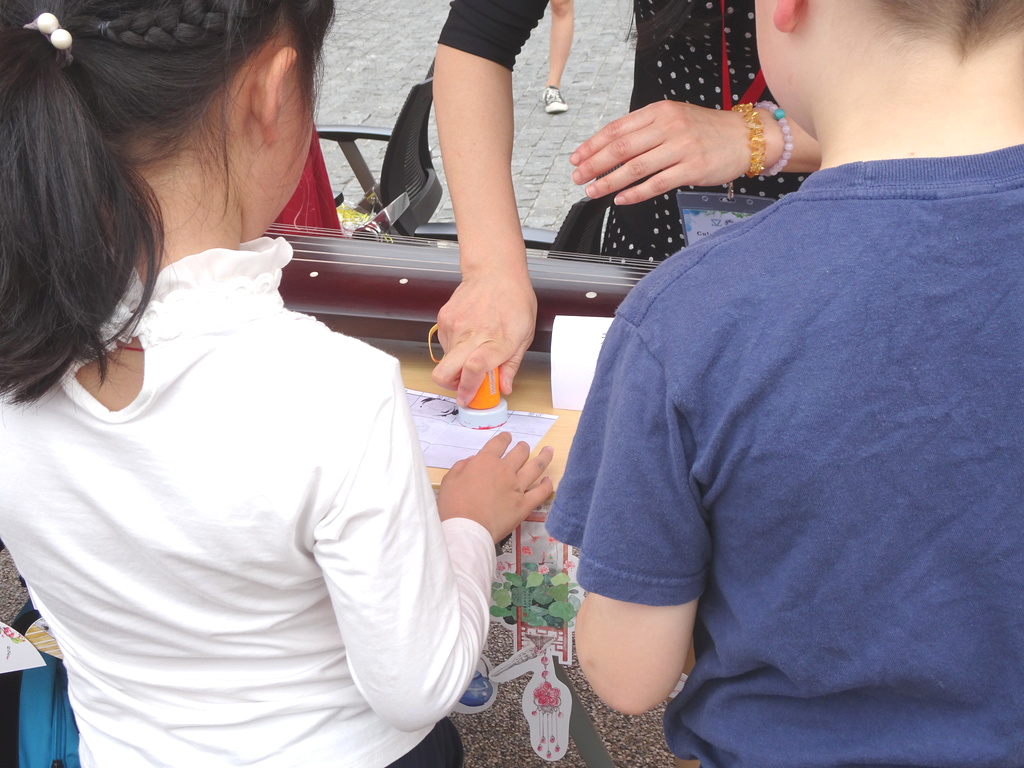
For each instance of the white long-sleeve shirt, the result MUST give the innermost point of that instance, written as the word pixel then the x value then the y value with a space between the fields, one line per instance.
pixel 245 566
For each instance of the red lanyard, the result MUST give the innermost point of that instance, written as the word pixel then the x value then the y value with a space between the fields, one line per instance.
pixel 756 89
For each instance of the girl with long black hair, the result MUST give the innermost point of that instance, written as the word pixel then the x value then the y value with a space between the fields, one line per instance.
pixel 219 506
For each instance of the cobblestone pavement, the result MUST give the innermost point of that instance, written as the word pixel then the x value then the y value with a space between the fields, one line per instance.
pixel 377 51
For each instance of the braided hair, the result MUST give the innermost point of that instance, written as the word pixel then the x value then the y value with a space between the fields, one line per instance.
pixel 78 224
pixel 166 28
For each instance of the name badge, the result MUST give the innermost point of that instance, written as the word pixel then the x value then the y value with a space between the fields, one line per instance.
pixel 704 213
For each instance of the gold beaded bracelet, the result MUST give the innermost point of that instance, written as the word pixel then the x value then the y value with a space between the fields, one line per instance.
pixel 757 144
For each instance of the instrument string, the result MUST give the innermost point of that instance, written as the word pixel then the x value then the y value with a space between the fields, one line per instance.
pixel 325 247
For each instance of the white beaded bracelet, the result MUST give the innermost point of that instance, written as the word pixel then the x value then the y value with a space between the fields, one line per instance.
pixel 787 135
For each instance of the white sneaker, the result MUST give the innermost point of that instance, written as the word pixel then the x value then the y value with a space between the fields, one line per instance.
pixel 553 101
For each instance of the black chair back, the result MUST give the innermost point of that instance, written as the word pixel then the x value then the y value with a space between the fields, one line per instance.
pixel 582 230
pixel 407 166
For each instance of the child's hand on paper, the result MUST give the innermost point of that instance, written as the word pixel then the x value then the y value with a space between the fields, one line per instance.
pixel 494 490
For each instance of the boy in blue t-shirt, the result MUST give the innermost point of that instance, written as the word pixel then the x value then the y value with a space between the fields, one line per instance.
pixel 804 445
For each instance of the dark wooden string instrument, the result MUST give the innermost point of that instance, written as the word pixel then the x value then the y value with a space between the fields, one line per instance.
pixel 388 286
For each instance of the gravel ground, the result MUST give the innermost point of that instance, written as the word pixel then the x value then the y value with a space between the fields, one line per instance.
pixel 12 594
pixel 500 737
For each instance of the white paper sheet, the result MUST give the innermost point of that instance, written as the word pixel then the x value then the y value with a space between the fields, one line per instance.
pixel 575 344
pixel 444 441
pixel 16 652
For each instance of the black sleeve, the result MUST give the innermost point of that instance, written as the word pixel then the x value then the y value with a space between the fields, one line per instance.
pixel 492 29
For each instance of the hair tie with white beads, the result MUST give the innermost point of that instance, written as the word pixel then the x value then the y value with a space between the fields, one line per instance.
pixel 59 37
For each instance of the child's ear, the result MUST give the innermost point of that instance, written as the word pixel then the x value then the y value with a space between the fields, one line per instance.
pixel 273 92
pixel 788 14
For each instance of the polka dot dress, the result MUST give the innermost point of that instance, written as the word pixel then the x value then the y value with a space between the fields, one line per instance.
pixel 688 70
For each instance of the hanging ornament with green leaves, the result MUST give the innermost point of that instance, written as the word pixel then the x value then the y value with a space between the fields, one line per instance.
pixel 544 597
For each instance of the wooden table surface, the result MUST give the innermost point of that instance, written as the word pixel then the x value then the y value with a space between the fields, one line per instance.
pixel 531 391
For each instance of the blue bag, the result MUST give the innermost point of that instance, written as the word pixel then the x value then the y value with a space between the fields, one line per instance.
pixel 43 733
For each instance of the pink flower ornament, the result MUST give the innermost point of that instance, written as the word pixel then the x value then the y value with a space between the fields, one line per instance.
pixel 547 695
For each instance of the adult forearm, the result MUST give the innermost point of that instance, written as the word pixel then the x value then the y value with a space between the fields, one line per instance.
pixel 476 151
pixel 489 321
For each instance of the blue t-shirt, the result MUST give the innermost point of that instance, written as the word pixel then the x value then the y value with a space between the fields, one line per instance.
pixel 814 422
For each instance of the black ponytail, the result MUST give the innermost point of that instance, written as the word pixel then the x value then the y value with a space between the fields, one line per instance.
pixel 79 227
pixel 73 224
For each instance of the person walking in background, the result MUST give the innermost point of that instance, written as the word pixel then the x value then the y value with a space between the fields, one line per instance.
pixel 561 44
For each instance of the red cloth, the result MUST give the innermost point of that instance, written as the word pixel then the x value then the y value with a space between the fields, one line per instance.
pixel 312 205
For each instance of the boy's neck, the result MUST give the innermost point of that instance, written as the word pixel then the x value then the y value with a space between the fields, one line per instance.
pixel 924 106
